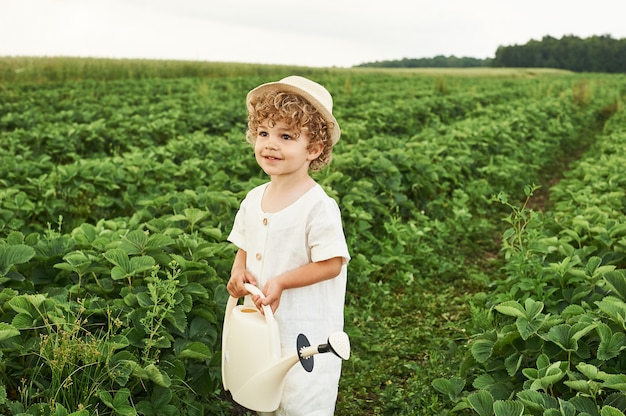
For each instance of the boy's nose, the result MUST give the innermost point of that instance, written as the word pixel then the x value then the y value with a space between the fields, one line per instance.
pixel 272 141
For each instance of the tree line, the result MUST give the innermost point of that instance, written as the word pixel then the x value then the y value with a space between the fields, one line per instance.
pixel 439 61
pixel 592 54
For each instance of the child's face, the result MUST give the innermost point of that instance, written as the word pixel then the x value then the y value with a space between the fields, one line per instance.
pixel 281 152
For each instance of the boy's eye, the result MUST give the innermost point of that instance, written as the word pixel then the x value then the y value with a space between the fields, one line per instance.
pixel 286 137
pixel 262 133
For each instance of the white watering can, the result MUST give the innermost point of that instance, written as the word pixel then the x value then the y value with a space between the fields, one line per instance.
pixel 252 368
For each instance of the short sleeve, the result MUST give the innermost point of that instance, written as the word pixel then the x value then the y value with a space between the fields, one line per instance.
pixel 325 232
pixel 237 234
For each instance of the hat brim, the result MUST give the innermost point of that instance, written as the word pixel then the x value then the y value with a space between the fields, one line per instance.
pixel 333 126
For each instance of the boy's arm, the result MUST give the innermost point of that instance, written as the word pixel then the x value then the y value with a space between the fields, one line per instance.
pixel 239 275
pixel 306 275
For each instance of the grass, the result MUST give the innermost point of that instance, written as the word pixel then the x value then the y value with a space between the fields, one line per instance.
pixel 62 69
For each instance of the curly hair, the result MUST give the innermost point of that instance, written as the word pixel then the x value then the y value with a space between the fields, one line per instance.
pixel 298 114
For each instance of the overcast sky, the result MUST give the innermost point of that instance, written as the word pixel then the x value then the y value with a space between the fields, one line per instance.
pixel 300 32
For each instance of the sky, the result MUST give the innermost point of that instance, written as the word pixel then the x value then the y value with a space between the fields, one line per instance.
pixel 316 33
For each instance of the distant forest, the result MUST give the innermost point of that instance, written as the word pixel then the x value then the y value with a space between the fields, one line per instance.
pixel 593 54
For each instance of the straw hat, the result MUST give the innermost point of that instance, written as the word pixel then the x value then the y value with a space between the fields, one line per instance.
pixel 313 92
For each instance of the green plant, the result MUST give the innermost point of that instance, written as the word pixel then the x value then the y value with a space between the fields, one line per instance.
pixel 557 350
pixel 147 164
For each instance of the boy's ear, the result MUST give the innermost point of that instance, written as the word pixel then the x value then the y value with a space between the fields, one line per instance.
pixel 315 150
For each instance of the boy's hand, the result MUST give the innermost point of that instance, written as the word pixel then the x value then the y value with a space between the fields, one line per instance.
pixel 272 291
pixel 235 285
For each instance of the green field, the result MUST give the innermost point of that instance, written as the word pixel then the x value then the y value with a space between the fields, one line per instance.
pixel 484 210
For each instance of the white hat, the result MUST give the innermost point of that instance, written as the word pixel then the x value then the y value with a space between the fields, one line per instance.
pixel 313 92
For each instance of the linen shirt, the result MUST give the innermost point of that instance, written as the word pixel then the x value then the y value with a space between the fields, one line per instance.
pixel 308 230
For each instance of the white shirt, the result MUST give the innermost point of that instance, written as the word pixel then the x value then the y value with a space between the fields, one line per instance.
pixel 309 230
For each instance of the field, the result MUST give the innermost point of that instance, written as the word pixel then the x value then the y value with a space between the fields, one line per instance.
pixel 484 211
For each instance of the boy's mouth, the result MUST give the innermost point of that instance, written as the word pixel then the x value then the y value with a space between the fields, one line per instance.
pixel 270 157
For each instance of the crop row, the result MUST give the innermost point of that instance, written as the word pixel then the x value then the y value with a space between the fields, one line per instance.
pixel 552 335
pixel 94 119
pixel 39 188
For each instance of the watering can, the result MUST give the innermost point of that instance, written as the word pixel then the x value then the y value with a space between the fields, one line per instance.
pixel 252 368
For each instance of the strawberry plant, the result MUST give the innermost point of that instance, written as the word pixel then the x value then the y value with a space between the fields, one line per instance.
pixel 117 195
pixel 558 335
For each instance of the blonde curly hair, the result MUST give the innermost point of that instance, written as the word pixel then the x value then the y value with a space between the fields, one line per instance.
pixel 298 114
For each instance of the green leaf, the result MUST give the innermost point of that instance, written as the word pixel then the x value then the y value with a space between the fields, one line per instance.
pixel 194 215
pixel 580 329
pixel 7 331
pixel 567 408
pixel 178 319
pixel 483 381
pixel 616 282
pixel 616 382
pixel 21 305
pixel 588 370
pixel 482 349
pixel 610 411
pixel 451 387
pixel 584 405
pixel 512 363
pixel 121 398
pixel 161 396
pixel 196 350
pixel 511 308
pixel 144 299
pixel 125 266
pixel 169 410
pixel 535 400
pixel 550 376
pixel 560 335
pixel 583 386
pixel 151 372
pixel 527 328
pixel 532 308
pixel 27 304
pixel 117 273
pixel 141 264
pixel 106 398
pixel 572 310
pixel 158 241
pixel 481 402
pixel 196 290
pixel 508 408
pixel 145 408
pixel 134 242
pixel 14 254
pixel 75 261
pixel 23 321
pixel 611 344
pixel 614 308
pixel 121 366
pixel 119 258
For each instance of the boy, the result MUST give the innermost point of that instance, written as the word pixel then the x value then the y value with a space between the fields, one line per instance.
pixel 290 235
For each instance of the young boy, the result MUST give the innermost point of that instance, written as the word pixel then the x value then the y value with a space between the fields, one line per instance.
pixel 290 235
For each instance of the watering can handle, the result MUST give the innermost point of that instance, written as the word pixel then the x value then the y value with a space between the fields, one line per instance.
pixel 253 290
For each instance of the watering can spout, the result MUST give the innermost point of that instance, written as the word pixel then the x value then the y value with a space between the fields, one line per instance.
pixel 338 344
